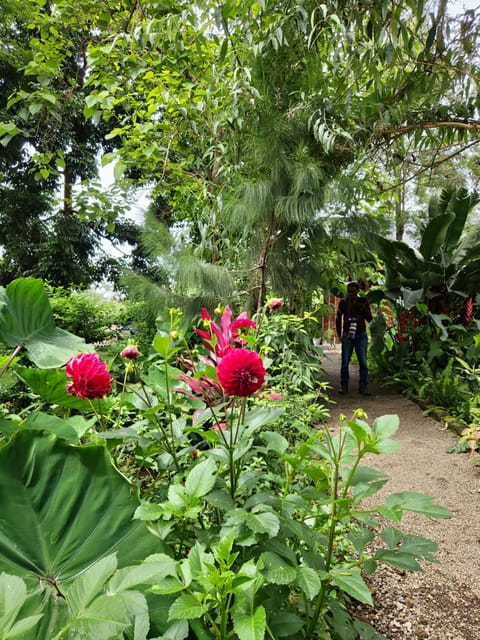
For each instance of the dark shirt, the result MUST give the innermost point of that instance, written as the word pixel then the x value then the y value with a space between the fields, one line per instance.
pixel 358 308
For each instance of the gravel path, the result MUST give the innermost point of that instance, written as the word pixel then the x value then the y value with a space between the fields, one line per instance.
pixel 443 601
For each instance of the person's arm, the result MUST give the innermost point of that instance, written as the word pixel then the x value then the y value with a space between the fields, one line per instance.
pixel 367 312
pixel 338 319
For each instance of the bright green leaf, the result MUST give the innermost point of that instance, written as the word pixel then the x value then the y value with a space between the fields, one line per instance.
pixel 250 627
pixel 186 607
pixel 349 579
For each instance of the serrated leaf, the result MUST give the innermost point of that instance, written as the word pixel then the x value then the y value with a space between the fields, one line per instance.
pixel 167 586
pixel 248 627
pixel 223 549
pixel 276 570
pixel 186 607
pixel 146 573
pixel 177 631
pixel 385 426
pixel 418 503
pixel 275 441
pixel 21 627
pixel 105 618
pixel 137 609
pixel 220 500
pixel 349 579
pixel 398 559
pixel 13 593
pixel 308 581
pixel 149 511
pixel 83 590
pixel 385 445
pixel 284 624
pixel 263 522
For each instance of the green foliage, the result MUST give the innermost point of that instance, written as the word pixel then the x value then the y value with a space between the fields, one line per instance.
pixel 255 535
pixel 65 556
pixel 290 539
pixel 444 272
pixel 86 313
pixel 287 344
pixel 26 321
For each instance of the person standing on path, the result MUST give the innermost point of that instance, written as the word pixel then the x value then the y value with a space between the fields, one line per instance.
pixel 352 315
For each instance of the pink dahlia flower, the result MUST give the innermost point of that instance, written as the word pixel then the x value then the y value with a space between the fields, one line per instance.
pixel 275 396
pixel 241 372
pixel 90 378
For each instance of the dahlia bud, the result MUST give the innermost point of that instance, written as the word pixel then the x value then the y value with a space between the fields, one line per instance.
pixel 130 352
pixel 275 303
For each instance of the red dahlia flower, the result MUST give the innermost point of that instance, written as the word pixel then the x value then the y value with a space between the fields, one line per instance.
pixel 90 378
pixel 241 372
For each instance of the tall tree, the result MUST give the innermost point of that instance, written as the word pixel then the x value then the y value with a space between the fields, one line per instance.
pixel 49 147
pixel 273 99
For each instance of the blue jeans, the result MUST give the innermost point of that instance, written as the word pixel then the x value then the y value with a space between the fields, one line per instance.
pixel 360 344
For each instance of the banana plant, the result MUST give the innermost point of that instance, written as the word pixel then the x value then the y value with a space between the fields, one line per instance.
pixel 446 266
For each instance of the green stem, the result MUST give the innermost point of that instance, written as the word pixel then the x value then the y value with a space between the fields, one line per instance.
pixel 336 458
pixel 168 445
pixel 98 415
pixel 124 386
pixel 224 618
pixel 61 633
pixel 11 358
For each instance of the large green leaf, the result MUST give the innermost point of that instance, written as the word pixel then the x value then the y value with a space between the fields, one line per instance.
pixel 250 627
pixel 51 387
pixel 460 204
pixel 26 319
pixel 435 235
pixel 63 508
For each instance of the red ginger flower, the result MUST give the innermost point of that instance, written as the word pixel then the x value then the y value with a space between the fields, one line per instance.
pixel 241 372
pixel 90 378
pixel 468 310
pixel 220 340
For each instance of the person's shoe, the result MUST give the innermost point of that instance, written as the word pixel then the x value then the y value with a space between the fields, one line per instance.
pixel 344 389
pixel 364 391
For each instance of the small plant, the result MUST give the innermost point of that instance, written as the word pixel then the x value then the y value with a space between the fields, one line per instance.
pixel 471 437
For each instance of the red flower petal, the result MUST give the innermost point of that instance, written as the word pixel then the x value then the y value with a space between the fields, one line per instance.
pixel 241 372
pixel 90 378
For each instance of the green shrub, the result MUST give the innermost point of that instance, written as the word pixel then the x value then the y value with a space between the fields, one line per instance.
pixel 86 313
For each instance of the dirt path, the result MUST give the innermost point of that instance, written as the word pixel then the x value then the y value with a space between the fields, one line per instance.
pixel 443 602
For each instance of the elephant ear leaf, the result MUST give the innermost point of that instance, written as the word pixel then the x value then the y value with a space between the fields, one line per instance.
pixel 26 320
pixel 64 509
